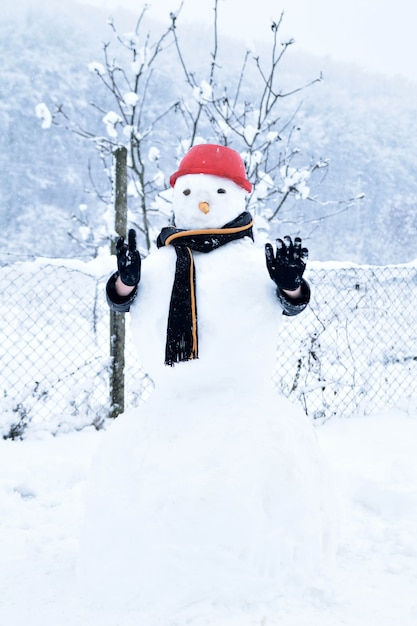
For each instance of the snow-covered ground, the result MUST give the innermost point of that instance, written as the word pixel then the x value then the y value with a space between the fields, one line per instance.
pixel 374 579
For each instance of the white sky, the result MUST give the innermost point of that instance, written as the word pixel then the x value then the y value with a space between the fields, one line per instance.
pixel 378 35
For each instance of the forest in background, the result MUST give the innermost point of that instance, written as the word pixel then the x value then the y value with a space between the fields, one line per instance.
pixel 363 124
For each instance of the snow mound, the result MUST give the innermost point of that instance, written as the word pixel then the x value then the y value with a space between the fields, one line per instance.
pixel 226 501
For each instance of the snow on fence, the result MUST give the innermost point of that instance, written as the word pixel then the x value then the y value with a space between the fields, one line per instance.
pixel 354 349
pixel 54 348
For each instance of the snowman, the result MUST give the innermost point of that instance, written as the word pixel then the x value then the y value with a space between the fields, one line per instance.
pixel 214 488
pixel 207 294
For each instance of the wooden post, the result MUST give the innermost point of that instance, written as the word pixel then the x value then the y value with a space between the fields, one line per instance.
pixel 117 320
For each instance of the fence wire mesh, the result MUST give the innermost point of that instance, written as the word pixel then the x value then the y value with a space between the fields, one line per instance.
pixel 54 349
pixel 354 349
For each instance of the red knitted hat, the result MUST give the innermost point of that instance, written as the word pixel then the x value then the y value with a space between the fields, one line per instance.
pixel 213 159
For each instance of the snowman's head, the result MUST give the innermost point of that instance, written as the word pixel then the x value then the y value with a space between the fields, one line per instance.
pixel 210 187
pixel 206 201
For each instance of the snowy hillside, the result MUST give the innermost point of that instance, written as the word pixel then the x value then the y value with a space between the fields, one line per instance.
pixel 359 122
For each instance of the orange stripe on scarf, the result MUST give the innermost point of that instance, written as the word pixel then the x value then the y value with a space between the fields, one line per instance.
pixel 194 351
pixel 207 231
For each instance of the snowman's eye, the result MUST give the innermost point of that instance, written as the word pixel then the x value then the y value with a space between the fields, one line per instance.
pixel 221 190
pixel 186 192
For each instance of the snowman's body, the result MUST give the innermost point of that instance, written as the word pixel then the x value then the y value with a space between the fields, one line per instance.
pixel 239 317
pixel 214 488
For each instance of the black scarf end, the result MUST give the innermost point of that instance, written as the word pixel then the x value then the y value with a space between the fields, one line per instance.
pixel 180 346
pixel 179 358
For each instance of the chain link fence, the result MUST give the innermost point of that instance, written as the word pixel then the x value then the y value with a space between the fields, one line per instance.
pixel 54 349
pixel 353 350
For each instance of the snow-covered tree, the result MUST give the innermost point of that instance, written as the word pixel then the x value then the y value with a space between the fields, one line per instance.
pixel 157 118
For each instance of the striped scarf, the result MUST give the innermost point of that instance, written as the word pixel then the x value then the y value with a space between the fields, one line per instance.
pixel 182 335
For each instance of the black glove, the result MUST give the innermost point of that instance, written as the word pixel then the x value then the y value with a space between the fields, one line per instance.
pixel 128 259
pixel 286 268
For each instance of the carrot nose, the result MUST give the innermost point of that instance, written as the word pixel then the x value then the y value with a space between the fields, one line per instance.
pixel 205 207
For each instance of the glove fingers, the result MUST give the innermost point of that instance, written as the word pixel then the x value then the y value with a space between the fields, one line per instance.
pixel 280 244
pixel 287 268
pixel 132 240
pixel 120 244
pixel 288 245
pixel 269 253
pixel 270 259
pixel 281 250
pixel 297 248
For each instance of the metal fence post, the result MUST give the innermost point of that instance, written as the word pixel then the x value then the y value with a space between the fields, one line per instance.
pixel 117 320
